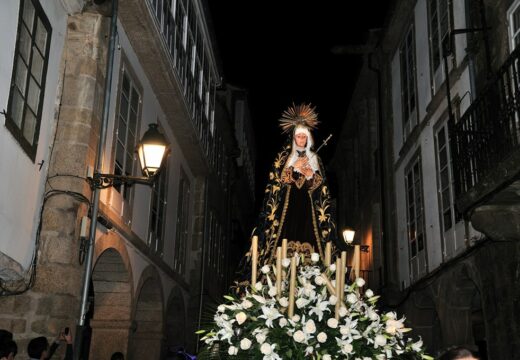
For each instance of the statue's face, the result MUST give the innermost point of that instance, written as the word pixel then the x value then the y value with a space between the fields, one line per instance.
pixel 300 139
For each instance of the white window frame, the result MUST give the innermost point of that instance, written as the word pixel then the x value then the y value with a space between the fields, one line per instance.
pixel 408 82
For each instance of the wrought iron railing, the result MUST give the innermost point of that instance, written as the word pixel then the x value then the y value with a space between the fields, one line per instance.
pixel 489 131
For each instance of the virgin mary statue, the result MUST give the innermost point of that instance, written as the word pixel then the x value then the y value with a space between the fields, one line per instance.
pixel 297 203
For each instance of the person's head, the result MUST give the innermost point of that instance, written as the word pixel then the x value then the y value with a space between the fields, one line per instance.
pixel 117 356
pixel 8 349
pixel 302 137
pixel 5 335
pixel 38 347
pixel 459 353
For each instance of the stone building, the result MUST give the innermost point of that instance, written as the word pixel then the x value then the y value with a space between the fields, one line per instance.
pixel 447 171
pixel 159 251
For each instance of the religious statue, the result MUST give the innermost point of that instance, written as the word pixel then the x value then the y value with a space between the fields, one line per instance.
pixel 297 203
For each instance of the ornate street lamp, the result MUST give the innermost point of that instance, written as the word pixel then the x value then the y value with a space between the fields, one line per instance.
pixel 151 150
pixel 348 235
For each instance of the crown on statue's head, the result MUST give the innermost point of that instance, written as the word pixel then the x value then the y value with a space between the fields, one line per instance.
pixel 303 115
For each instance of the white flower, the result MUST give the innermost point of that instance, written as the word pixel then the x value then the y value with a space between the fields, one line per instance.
pixel 326 357
pixel 347 348
pixel 318 280
pixel 369 293
pixel 322 337
pixel 260 338
pixel 332 267
pixel 272 292
pixel 246 304
pixel 283 301
pixel 351 298
pixel 232 350
pixel 343 311
pixel 360 282
pixel 310 327
pixel 270 314
pixel 315 257
pixel 282 322
pixel 332 323
pixel 245 344
pixel 265 269
pixel 301 302
pixel 393 326
pixel 266 349
pixel 259 286
pixel 241 317
pixel 221 308
pixel 299 336
pixel 333 300
pixel 296 318
pixel 286 262
pixel 379 340
pixel 258 298
pixel 372 315
pixel 309 350
pixel 417 346
pixel 391 315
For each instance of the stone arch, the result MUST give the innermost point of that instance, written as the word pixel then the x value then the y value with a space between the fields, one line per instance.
pixel 175 320
pixel 459 305
pixel 146 336
pixel 111 297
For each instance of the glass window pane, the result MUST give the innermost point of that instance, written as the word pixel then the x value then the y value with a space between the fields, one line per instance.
pixel 17 108
pixel 37 65
pixel 120 154
pixel 29 126
pixel 24 44
pixel 123 108
pixel 135 99
pixel 126 85
pixel 132 122
pixel 33 95
pixel 41 36
pixel 28 13
pixel 21 75
pixel 129 163
pixel 121 131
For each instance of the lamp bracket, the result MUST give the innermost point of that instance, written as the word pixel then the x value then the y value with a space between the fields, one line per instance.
pixel 104 181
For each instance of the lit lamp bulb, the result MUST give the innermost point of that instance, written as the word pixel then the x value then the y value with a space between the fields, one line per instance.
pixel 151 150
pixel 348 235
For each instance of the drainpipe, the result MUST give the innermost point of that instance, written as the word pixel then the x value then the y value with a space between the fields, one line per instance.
pixel 382 172
pixel 203 259
pixel 87 275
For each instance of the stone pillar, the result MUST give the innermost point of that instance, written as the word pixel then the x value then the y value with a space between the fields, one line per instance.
pixel 103 335
pixel 53 301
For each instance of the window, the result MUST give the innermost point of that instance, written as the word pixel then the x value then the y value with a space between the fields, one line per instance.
pixel 31 57
pixel 439 22
pixel 415 217
pixel 126 130
pixel 513 15
pixel 408 82
pixel 181 235
pixel 158 212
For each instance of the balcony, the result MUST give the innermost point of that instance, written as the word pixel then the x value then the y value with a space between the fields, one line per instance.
pixel 486 153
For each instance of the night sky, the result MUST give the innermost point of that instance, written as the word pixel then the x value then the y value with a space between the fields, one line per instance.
pixel 281 53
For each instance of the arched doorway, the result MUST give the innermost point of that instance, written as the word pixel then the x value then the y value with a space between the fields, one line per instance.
pixel 110 321
pixel 146 336
pixel 175 322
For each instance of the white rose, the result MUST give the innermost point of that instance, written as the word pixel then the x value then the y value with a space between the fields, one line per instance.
pixel 343 311
pixel 299 336
pixel 310 327
pixel 351 298
pixel 283 301
pixel 332 267
pixel 333 300
pixel 369 293
pixel 286 262
pixel 315 257
pixel 380 340
pixel 326 357
pixel 322 337
pixel 272 292
pixel 332 323
pixel 265 269
pixel 260 338
pixel 241 317
pixel 266 349
pixel 246 304
pixel 283 322
pixel 391 315
pixel 296 318
pixel 259 286
pixel 319 280
pixel 221 308
pixel 232 350
pixel 344 330
pixel 245 344
pixel 360 282
pixel 347 348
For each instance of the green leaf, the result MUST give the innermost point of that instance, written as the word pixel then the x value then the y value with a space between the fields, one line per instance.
pixel 230 298
pixel 198 332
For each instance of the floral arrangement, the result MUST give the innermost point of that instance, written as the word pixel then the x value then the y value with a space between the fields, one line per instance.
pixel 323 326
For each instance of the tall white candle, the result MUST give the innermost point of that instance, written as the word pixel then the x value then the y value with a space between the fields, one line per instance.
pixel 254 260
